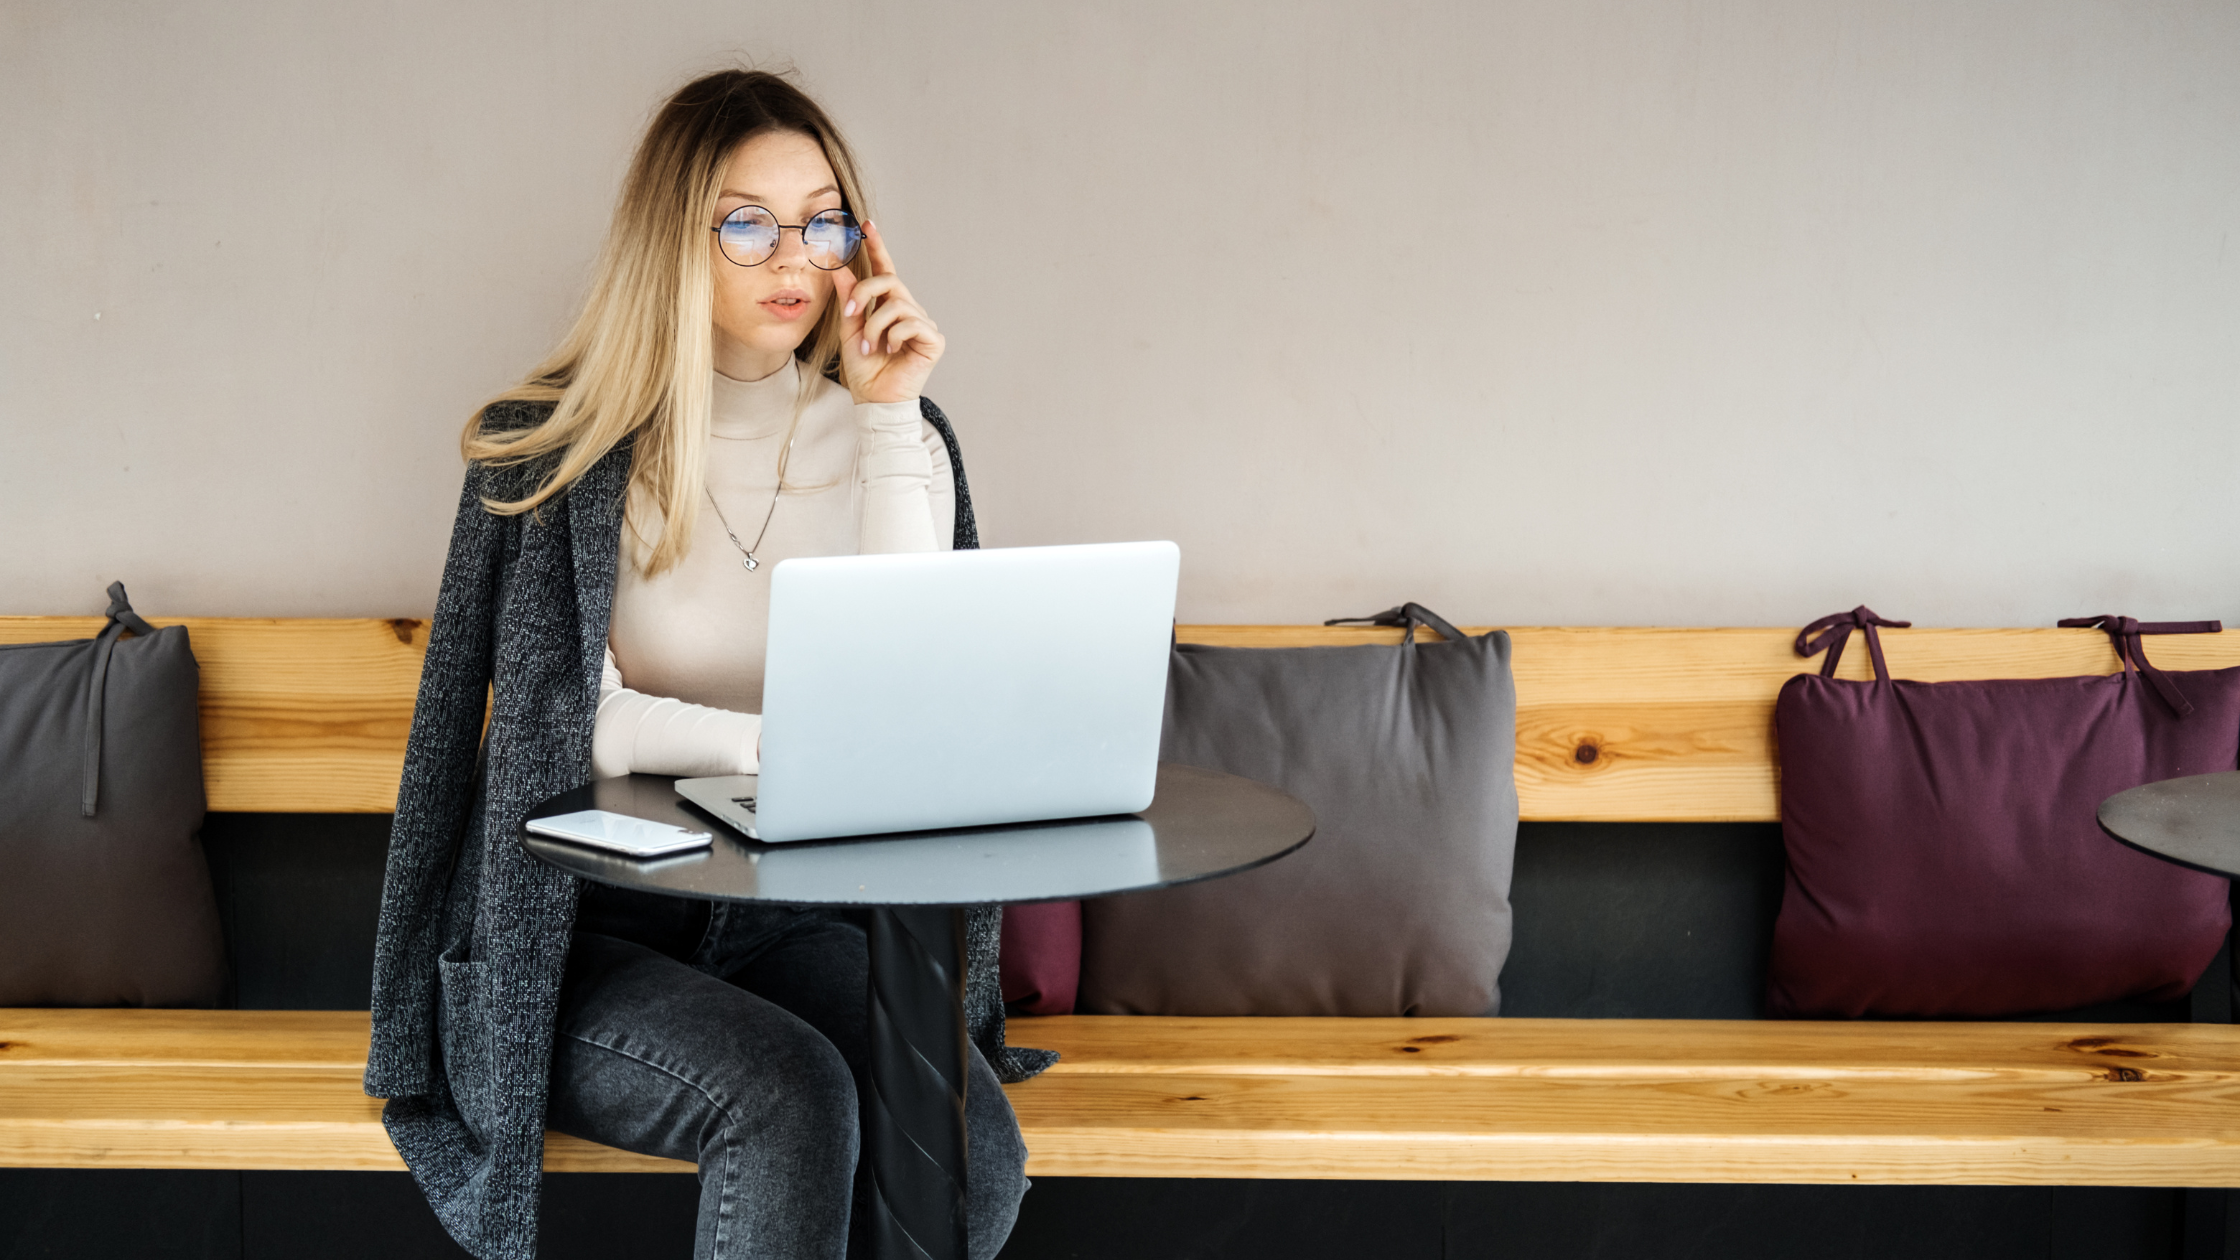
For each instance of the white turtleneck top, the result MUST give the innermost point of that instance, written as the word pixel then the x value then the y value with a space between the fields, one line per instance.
pixel 683 687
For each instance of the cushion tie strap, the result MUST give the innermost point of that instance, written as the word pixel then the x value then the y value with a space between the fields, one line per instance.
pixel 2124 632
pixel 120 609
pixel 1835 630
pixel 121 619
pixel 1409 615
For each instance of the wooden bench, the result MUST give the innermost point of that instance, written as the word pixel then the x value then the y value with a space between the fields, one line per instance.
pixel 1613 724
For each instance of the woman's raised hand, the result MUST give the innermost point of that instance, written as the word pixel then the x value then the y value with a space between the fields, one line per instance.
pixel 888 345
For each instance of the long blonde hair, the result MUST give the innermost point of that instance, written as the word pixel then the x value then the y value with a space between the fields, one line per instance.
pixel 640 358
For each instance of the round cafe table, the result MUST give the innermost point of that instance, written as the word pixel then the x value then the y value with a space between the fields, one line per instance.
pixel 1201 825
pixel 2193 821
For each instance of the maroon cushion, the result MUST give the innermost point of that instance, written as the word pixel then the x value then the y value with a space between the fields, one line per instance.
pixel 1041 958
pixel 1944 853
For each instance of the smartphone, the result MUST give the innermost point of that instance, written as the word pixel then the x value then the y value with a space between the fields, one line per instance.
pixel 619 833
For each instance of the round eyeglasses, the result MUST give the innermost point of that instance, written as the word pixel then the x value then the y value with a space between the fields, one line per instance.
pixel 749 236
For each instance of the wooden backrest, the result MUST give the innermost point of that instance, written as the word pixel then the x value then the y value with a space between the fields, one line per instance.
pixel 298 716
pixel 1613 724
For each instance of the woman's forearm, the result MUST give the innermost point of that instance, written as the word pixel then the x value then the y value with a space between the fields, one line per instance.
pixel 636 733
pixel 897 481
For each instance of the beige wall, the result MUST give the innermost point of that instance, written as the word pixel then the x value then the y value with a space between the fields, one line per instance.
pixel 1665 311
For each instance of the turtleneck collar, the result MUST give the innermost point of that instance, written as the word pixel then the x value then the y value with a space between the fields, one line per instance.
pixel 754 409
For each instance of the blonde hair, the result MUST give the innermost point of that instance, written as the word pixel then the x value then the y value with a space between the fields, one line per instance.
pixel 639 361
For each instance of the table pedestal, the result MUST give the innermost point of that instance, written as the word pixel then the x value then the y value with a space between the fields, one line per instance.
pixel 913 1121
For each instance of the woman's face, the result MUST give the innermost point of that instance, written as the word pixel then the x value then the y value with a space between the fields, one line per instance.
pixel 763 313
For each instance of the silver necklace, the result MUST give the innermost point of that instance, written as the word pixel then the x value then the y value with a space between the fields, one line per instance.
pixel 748 560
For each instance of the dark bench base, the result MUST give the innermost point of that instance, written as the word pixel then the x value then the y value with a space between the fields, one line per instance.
pixel 226 1215
pixel 138 1215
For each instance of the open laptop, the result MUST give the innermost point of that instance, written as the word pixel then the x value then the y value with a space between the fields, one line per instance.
pixel 956 689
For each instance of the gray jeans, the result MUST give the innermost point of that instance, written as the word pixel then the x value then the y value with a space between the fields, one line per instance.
pixel 735 1036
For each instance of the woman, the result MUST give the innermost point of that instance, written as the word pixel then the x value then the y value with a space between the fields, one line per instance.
pixel 742 385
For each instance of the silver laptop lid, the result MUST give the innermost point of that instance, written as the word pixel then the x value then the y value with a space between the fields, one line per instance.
pixel 952 689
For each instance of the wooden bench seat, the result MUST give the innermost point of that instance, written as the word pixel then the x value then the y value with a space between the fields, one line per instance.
pixel 209 1089
pixel 1613 725
pixel 1422 1099
pixel 1635 1100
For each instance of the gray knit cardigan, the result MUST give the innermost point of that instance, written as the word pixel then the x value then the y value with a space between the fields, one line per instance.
pixel 474 933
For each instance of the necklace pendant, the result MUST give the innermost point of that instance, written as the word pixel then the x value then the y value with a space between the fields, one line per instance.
pixel 751 563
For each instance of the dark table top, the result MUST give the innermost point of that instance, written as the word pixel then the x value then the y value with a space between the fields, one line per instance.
pixel 2194 821
pixel 1200 825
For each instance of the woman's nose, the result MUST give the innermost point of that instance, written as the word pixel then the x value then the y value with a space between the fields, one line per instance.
pixel 791 253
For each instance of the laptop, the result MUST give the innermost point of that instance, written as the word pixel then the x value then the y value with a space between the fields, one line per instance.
pixel 956 689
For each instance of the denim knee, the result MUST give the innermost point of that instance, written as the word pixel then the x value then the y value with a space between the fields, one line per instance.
pixel 798 1095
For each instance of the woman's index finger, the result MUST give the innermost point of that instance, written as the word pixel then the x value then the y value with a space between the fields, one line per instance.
pixel 882 262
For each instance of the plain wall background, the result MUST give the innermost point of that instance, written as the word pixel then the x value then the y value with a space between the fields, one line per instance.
pixel 1537 311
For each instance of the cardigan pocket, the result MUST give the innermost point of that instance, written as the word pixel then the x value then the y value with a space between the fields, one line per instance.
pixel 465 1037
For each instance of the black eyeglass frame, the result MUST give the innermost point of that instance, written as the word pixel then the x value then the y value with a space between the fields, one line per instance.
pixel 855 236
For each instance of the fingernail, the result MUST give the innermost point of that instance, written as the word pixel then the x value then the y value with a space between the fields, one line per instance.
pixel 866 345
pixel 851 307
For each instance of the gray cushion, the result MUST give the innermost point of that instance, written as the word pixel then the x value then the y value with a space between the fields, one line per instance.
pixel 1400 903
pixel 105 899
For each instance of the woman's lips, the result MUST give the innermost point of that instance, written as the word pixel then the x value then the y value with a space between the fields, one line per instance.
pixel 787 306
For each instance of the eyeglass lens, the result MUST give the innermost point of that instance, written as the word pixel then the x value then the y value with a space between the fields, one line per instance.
pixel 749 236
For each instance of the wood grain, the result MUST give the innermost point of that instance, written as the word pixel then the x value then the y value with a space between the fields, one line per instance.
pixel 1635 1100
pixel 1663 1049
pixel 1613 724
pixel 1525 1129
pixel 210 1089
pixel 297 715
pixel 1527 1100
